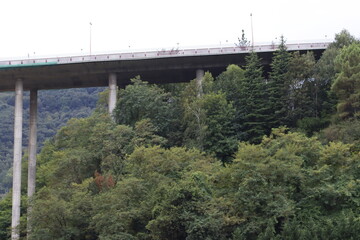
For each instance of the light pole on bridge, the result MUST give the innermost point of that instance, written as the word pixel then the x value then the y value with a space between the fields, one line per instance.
pixel 90 37
pixel 252 32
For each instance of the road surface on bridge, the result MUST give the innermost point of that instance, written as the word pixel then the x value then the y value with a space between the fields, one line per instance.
pixel 174 65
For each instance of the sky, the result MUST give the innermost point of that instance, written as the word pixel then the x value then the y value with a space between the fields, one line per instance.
pixel 37 28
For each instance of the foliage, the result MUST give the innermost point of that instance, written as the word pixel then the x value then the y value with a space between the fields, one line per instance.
pixel 302 88
pixel 278 86
pixel 342 39
pixel 154 176
pixel 174 169
pixel 55 108
pixel 287 180
pixel 209 121
pixel 62 213
pixel 5 217
pixel 242 42
pixel 231 82
pixel 346 132
pixel 144 101
pixel 347 82
pixel 257 109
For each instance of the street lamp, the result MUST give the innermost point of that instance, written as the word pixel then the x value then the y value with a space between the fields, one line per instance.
pixel 90 37
pixel 252 32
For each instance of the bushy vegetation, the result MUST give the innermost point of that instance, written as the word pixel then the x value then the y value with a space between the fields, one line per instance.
pixel 176 164
pixel 55 108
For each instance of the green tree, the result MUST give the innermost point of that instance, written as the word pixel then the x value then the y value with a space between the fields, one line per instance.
pixel 255 100
pixel 5 217
pixel 278 86
pixel 302 89
pixel 324 99
pixel 343 39
pixel 325 74
pixel 63 213
pixel 141 100
pixel 231 82
pixel 242 42
pixel 141 205
pixel 209 122
pixel 347 83
pixel 220 136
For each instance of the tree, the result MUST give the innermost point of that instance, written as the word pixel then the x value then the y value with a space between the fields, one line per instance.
pixel 342 39
pixel 220 135
pixel 147 202
pixel 231 82
pixel 278 86
pixel 5 217
pixel 63 213
pixel 243 42
pixel 209 125
pixel 347 83
pixel 325 74
pixel 255 100
pixel 302 90
pixel 144 101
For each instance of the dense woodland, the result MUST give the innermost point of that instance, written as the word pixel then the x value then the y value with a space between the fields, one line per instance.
pixel 240 157
pixel 55 108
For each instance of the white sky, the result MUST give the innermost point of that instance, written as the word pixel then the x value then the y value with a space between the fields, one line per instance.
pixel 48 27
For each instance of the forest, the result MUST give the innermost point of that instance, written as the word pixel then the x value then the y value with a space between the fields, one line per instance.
pixel 56 107
pixel 241 156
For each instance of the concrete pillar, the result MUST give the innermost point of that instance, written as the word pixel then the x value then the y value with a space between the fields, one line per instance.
pixel 32 153
pixel 112 92
pixel 16 195
pixel 199 78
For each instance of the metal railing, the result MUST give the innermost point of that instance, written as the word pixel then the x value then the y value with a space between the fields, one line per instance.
pixel 157 54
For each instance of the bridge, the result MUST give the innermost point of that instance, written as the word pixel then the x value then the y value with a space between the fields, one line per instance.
pixel 154 66
pixel 113 70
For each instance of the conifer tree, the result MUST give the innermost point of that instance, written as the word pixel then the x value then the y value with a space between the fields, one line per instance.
pixel 278 86
pixel 347 83
pixel 256 105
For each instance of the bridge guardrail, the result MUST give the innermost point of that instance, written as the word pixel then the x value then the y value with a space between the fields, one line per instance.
pixel 156 54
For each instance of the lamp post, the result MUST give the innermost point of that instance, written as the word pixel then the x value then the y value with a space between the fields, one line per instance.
pixel 90 37
pixel 252 32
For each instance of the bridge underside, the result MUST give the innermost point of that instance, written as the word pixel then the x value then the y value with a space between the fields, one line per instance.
pixel 95 74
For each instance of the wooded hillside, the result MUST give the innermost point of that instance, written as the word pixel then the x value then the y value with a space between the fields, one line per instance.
pixel 242 157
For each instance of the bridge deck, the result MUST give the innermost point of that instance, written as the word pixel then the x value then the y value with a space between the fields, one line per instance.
pixel 155 66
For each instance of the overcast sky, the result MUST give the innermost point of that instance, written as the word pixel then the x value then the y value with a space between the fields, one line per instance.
pixel 47 27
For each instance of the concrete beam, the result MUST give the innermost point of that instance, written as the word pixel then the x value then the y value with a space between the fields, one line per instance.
pixel 32 153
pixel 16 194
pixel 199 78
pixel 112 92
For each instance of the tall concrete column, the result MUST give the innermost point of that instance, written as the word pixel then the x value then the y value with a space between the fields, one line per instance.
pixel 199 78
pixel 112 92
pixel 16 195
pixel 32 153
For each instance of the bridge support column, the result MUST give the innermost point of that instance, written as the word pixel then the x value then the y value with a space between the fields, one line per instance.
pixel 199 78
pixel 16 194
pixel 112 92
pixel 32 154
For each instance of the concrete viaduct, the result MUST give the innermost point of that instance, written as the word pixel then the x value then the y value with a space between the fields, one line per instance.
pixel 113 70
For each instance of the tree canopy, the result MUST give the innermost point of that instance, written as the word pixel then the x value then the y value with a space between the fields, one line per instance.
pixel 178 165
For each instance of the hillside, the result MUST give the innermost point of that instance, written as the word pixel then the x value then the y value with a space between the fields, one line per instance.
pixel 238 157
pixel 55 108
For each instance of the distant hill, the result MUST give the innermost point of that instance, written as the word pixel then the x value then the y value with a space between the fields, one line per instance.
pixel 55 108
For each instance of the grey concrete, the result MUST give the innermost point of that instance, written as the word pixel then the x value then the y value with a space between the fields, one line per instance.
pixel 32 153
pixel 16 195
pixel 199 79
pixel 112 92
pixel 153 66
